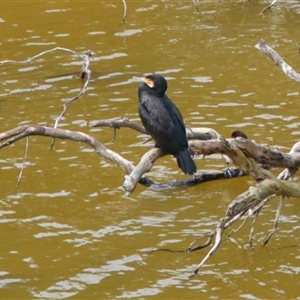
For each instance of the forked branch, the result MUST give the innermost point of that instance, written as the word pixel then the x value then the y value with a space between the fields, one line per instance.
pixel 253 200
pixel 85 73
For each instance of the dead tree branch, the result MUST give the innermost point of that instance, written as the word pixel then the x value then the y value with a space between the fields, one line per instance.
pixel 85 73
pixel 289 173
pixel 39 55
pixel 117 123
pixel 192 133
pixel 283 66
pixel 237 149
pixel 267 185
pixel 250 201
pixel 125 11
pixel 268 7
pixel 13 135
pixel 24 161
pixel 134 174
pixel 196 4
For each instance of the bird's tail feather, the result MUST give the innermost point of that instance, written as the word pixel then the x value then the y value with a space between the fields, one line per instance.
pixel 186 163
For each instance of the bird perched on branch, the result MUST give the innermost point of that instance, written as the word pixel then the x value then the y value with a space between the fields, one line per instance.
pixel 163 121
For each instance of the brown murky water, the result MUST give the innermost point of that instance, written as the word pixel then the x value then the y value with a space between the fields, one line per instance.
pixel 68 231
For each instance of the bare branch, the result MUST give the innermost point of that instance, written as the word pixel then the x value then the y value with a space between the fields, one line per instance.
pixel 283 66
pixel 85 73
pixel 24 160
pixel 254 195
pixel 234 148
pixel 118 123
pixel 276 221
pixel 289 173
pixel 23 131
pixel 269 6
pixel 218 240
pixel 39 55
pixel 261 154
pixel 202 133
pixel 196 3
pixel 125 11
pixel 250 201
pixel 134 174
pixel 229 222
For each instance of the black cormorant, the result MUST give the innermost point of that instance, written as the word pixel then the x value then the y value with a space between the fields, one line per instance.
pixel 163 121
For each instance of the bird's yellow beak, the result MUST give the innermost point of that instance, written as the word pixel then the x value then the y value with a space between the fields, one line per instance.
pixel 149 82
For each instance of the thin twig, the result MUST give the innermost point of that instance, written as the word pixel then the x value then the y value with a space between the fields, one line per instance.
pixel 125 12
pixel 268 7
pixel 120 122
pixel 196 3
pixel 206 244
pixel 85 73
pixel 236 230
pixel 218 240
pixel 276 221
pixel 24 160
pixel 40 54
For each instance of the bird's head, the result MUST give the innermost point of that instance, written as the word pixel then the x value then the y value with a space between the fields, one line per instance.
pixel 157 83
pixel 238 133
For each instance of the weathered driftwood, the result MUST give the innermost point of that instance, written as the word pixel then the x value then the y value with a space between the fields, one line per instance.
pixel 288 173
pixel 13 135
pixel 192 133
pixel 267 186
pixel 261 154
pixel 230 147
pixel 283 66
pixel 133 174
pixel 249 202
pixel 237 149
